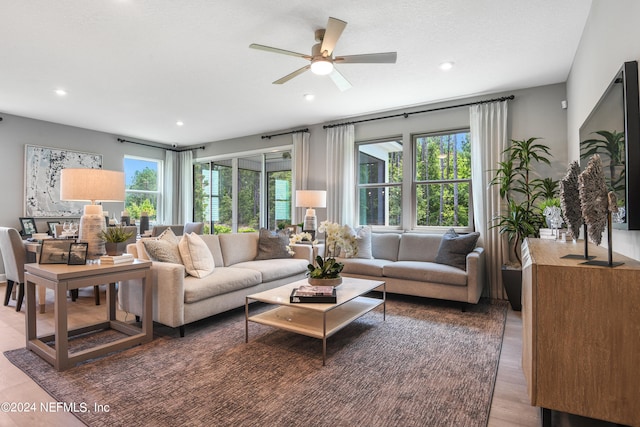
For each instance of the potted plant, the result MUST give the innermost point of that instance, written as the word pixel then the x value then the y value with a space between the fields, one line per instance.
pixel 115 239
pixel 326 271
pixel 521 217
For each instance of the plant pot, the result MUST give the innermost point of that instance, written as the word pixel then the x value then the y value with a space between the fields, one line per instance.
pixel 325 282
pixel 115 249
pixel 512 281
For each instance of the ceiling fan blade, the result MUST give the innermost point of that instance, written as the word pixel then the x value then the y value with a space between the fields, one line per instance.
pixel 334 30
pixel 341 82
pixel 276 50
pixel 292 75
pixel 368 58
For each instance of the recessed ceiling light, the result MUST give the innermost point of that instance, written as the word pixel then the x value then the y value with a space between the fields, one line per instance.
pixel 309 96
pixel 60 92
pixel 446 66
pixel 180 123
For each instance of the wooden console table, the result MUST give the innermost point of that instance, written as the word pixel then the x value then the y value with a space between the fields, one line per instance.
pixel 581 332
pixel 62 278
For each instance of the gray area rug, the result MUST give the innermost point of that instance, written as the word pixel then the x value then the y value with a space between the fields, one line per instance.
pixel 429 364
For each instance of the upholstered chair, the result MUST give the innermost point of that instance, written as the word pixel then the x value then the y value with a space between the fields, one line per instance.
pixel 194 227
pixel 14 257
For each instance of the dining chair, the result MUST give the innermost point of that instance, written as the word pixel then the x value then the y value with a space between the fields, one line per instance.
pixel 14 257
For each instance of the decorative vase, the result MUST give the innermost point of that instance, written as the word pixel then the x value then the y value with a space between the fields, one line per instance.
pixel 144 222
pixel 115 248
pixel 335 282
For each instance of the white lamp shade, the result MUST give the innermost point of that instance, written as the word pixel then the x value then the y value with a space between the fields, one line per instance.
pixel 311 199
pixel 91 185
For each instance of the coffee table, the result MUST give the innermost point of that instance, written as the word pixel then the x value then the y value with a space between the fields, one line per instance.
pixel 316 320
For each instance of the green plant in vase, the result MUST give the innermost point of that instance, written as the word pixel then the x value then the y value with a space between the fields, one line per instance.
pixel 114 238
pixel 327 269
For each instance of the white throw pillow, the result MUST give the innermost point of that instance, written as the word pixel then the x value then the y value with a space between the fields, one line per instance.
pixel 196 256
pixel 363 242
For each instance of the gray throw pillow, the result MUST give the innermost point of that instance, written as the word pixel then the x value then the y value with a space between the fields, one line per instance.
pixel 454 248
pixel 273 245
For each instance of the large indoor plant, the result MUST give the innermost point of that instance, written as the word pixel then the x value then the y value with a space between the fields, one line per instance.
pixel 521 217
pixel 338 239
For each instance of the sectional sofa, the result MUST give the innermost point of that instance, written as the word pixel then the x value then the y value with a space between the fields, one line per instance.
pixel 416 264
pixel 179 299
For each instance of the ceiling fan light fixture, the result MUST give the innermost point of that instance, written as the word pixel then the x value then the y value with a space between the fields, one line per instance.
pixel 321 67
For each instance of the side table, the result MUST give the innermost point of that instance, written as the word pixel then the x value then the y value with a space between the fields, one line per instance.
pixel 62 278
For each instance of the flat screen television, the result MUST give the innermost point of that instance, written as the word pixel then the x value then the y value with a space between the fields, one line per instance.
pixel 612 130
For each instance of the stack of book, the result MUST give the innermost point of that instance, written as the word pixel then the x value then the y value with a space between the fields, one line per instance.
pixel 313 294
pixel 118 259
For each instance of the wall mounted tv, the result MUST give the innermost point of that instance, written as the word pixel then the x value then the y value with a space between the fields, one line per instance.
pixel 612 130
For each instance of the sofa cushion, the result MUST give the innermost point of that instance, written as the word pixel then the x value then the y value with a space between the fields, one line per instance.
pixel 454 248
pixel 164 248
pixel 365 267
pixel 419 247
pixel 426 272
pixel 275 269
pixel 273 245
pixel 238 247
pixel 221 281
pixel 362 236
pixel 385 245
pixel 196 256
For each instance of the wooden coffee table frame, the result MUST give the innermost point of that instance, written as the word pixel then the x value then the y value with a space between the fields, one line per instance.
pixel 317 320
pixel 63 278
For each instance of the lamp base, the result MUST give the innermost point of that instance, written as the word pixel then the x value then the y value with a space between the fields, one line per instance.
pixel 310 223
pixel 91 224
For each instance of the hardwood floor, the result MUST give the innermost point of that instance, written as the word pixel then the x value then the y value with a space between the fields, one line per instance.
pixel 509 407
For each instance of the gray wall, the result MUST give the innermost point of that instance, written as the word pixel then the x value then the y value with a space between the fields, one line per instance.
pixel 534 112
pixel 611 37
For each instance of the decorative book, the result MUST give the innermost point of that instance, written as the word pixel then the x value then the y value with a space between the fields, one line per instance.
pixel 118 259
pixel 313 294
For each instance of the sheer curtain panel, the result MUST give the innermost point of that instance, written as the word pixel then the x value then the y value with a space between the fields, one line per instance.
pixel 301 171
pixel 178 187
pixel 488 124
pixel 340 174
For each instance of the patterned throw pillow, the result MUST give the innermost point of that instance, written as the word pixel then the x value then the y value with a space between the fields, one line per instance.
pixel 454 248
pixel 164 248
pixel 197 258
pixel 273 245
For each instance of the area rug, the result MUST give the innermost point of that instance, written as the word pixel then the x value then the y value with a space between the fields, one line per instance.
pixel 428 364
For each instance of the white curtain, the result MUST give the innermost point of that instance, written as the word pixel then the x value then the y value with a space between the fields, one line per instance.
pixel 301 168
pixel 488 124
pixel 340 174
pixel 178 187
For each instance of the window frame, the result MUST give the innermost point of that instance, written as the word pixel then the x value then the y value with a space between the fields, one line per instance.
pixel 415 183
pixel 159 193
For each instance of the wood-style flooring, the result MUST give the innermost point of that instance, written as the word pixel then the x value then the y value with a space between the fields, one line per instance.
pixel 510 406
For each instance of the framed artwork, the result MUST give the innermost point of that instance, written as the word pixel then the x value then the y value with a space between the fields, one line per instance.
pixel 42 180
pixel 28 226
pixel 55 251
pixel 52 227
pixel 78 253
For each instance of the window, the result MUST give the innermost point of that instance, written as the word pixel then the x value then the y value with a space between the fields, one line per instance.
pixel 380 183
pixel 242 194
pixel 442 180
pixel 143 178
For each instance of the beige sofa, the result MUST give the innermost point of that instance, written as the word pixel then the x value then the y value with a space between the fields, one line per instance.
pixel 179 300
pixel 407 263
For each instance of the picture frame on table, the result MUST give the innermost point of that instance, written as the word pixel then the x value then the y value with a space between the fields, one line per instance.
pixel 55 251
pixel 78 253
pixel 28 226
pixel 52 227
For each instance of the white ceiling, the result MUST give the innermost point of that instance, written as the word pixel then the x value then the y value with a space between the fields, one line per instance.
pixel 135 67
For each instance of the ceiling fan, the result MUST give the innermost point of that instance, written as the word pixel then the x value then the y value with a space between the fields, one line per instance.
pixel 322 60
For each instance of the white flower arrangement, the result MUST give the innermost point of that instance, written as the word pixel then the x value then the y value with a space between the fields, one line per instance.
pixel 302 237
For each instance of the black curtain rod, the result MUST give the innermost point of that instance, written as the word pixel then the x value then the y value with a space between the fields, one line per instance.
pixel 162 148
pixel 405 115
pixel 284 133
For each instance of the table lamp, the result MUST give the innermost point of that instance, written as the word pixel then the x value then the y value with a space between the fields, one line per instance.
pixel 94 185
pixel 311 199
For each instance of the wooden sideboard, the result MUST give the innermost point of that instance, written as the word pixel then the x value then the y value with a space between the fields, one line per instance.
pixel 581 332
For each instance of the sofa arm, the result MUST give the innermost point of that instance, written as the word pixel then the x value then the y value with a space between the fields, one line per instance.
pixel 476 276
pixel 303 252
pixel 167 281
